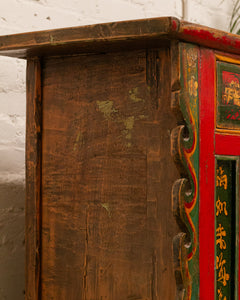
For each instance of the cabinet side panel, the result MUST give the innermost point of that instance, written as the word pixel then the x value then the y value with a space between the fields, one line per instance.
pixel 107 225
pixel 33 179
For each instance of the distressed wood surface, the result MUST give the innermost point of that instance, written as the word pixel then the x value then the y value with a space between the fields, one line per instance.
pixel 33 180
pixel 107 224
pixel 117 35
pixel 92 38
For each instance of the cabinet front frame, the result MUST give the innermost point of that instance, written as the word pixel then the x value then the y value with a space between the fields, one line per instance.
pixel 216 143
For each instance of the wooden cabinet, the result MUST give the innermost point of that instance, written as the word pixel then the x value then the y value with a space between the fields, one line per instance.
pixel 132 161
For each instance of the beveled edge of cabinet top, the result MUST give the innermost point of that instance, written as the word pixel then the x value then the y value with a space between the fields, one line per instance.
pixel 115 36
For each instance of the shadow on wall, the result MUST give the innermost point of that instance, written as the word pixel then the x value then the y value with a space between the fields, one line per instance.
pixel 12 248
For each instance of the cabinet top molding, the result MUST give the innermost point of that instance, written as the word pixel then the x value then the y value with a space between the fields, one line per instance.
pixel 115 36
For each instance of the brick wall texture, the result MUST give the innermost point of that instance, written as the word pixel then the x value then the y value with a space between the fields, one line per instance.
pixel 30 15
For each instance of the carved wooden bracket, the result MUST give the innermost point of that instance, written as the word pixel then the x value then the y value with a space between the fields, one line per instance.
pixel 185 152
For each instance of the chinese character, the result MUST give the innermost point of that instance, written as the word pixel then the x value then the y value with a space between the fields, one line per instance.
pixel 221 207
pixel 220 295
pixel 223 277
pixel 236 100
pixel 231 93
pixel 220 234
pixel 228 95
pixel 221 178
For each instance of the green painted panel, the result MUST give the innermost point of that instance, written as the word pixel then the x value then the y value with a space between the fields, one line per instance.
pixel 225 229
pixel 189 104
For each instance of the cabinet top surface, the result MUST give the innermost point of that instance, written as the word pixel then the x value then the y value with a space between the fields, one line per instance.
pixel 114 36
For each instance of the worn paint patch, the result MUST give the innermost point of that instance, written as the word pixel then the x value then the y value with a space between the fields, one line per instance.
pixel 51 39
pixel 133 95
pixel 54 42
pixel 107 207
pixel 79 141
pixel 106 107
pixel 128 123
pixel 110 113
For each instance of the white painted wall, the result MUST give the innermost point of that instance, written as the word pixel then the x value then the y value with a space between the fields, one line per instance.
pixel 28 15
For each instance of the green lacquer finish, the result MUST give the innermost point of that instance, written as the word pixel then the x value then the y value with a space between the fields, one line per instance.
pixel 189 103
pixel 226 252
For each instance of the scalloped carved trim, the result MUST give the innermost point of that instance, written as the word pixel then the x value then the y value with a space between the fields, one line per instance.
pixel 185 153
pixel 180 255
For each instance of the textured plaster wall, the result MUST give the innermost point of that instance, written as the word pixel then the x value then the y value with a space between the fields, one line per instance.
pixel 28 15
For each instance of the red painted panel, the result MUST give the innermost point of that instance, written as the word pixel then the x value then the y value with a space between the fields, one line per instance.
pixel 227 144
pixel 207 175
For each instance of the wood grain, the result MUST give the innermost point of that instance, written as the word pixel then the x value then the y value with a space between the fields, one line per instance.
pixel 116 36
pixel 107 224
pixel 175 67
pixel 33 180
pixel 92 38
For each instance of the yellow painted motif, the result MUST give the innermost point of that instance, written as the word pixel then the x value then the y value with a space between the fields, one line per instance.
pixel 231 93
pixel 223 277
pixel 193 86
pixel 220 233
pixel 221 207
pixel 220 295
pixel 221 178
pixel 192 56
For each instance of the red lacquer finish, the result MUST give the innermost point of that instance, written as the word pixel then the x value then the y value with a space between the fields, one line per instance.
pixel 207 175
pixel 227 144
pixel 209 37
pixel 174 24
